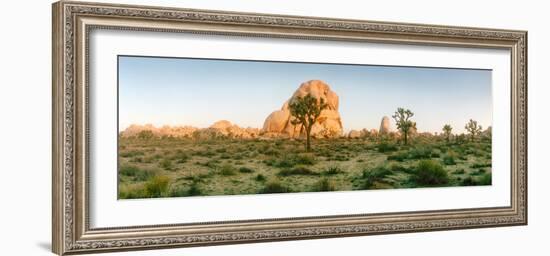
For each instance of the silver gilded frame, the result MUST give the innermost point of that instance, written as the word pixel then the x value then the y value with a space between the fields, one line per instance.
pixel 72 23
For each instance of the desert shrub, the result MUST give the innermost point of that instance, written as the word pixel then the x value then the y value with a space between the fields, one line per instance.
pixel 135 173
pixel 131 153
pixel 478 172
pixel 448 160
pixel 333 170
pixel 270 152
pixel 227 170
pixel 430 173
pixel 298 170
pixel 260 177
pixel 178 191
pixel 157 186
pixel 270 161
pixel 459 171
pixel 166 164
pixel 131 191
pixel 486 179
pixel 194 190
pixel 435 155
pixel 324 184
pixel 192 177
pixel 399 168
pixel 180 156
pixel 204 153
pixel 360 160
pixel 138 159
pixel 399 156
pixel 285 162
pixel 213 163
pixel 225 156
pixel 274 186
pixel 482 165
pixel 370 177
pixel 385 146
pixel 245 169
pixel 305 159
pixel 339 157
pixel 288 161
pixel 221 150
pixel 420 153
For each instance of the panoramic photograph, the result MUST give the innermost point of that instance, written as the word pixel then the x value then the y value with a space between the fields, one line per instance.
pixel 212 127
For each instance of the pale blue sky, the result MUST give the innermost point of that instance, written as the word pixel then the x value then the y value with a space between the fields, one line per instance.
pixel 198 92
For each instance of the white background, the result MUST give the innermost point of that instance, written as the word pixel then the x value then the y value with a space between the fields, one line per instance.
pixel 25 140
pixel 106 211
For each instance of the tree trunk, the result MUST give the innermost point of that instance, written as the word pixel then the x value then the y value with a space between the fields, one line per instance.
pixel 405 137
pixel 308 143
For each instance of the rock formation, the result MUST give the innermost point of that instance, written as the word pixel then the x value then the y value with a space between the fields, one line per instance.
pixel 354 134
pixel 384 125
pixel 328 124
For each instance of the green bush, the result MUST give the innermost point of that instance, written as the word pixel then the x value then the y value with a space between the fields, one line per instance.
pixel 324 184
pixel 194 190
pixel 399 168
pixel 399 156
pixel 482 165
pixel 274 186
pixel 260 177
pixel 333 170
pixel 245 169
pixel 131 153
pixel 166 164
pixel 227 170
pixel 299 170
pixel 135 173
pixel 131 192
pixel 385 146
pixel 369 178
pixel 478 172
pixel 288 161
pixel 157 186
pixel 449 160
pixel 459 171
pixel 180 156
pixel 485 179
pixel 430 173
pixel 420 153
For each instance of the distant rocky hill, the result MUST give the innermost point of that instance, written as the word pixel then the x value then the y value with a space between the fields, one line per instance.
pixel 221 128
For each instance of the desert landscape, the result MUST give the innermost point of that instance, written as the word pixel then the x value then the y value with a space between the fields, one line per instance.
pixel 302 147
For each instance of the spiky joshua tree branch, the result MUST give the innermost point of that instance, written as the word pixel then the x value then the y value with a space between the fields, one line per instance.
pixel 404 124
pixel 306 110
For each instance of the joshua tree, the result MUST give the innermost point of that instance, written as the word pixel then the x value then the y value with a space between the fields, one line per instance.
pixel 306 110
pixel 404 124
pixel 447 130
pixel 473 128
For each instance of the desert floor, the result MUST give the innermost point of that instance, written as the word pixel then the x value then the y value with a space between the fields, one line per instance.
pixel 174 167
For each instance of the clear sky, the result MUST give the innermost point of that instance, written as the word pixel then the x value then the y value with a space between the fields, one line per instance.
pixel 198 92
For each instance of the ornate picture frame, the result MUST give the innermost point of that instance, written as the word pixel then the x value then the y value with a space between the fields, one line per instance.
pixel 72 23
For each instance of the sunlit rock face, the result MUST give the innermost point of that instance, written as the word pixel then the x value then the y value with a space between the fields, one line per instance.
pixel 328 125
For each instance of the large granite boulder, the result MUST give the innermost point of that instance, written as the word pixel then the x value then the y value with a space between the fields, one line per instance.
pixel 328 125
